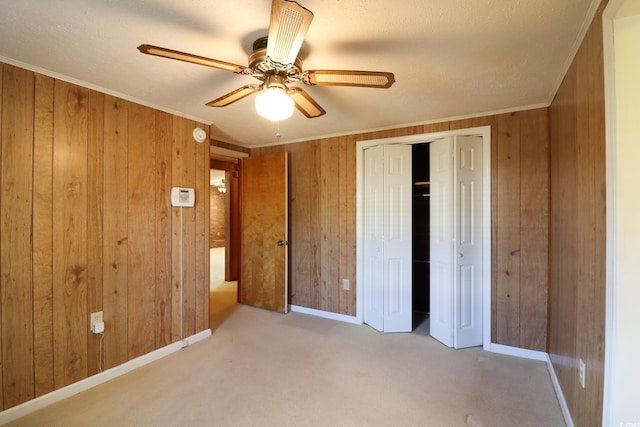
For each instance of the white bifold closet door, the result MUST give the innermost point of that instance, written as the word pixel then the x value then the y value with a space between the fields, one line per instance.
pixel 387 238
pixel 456 241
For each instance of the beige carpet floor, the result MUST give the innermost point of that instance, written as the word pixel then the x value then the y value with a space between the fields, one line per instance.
pixel 222 295
pixel 266 369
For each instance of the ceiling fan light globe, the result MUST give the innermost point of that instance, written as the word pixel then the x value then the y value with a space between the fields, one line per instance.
pixel 274 104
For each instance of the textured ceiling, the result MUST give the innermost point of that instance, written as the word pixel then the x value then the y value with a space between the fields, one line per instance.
pixel 451 58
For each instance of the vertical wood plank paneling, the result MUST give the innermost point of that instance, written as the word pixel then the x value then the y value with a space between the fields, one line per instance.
pixel 141 231
pixel 177 314
pixel 2 406
pixel 492 121
pixel 594 335
pixel 347 240
pixel 201 266
pixel 436 127
pixel 563 297
pixel 591 284
pixel 70 233
pixel 418 129
pixel 584 220
pixel 577 261
pixel 495 220
pixel 507 254
pixel 534 219
pixel 300 207
pixel 189 237
pixel 115 244
pixel 596 294
pixel 315 226
pixel 163 150
pixel 42 235
pixel 183 232
pixel 95 184
pixel 330 223
pixel 15 241
pixel 67 164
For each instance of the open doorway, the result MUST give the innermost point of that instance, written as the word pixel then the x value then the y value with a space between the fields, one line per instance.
pixel 223 285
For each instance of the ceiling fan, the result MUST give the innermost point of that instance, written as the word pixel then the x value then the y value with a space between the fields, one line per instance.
pixel 276 64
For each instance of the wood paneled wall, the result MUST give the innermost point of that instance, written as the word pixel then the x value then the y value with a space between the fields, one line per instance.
pixel 578 234
pixel 86 225
pixel 323 221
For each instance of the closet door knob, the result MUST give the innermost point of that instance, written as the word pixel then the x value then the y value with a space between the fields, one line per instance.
pixel 460 255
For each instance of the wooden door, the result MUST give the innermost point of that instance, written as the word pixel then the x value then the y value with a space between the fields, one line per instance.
pixel 263 198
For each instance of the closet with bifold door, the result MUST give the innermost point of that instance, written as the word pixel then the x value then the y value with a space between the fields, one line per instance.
pixel 423 238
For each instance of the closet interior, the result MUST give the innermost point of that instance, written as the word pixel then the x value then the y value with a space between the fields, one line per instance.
pixel 420 230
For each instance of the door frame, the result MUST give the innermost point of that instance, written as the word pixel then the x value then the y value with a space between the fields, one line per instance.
pixel 228 160
pixel 614 345
pixel 485 133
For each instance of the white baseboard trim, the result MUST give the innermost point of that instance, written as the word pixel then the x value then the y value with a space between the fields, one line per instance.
pixel 326 314
pixel 97 379
pixel 518 352
pixel 561 400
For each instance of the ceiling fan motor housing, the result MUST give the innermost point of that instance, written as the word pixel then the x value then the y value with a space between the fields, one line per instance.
pixel 262 66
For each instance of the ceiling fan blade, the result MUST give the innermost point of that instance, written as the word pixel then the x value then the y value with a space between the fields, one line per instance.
pixel 234 96
pixel 307 105
pixel 289 24
pixel 188 57
pixel 348 78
